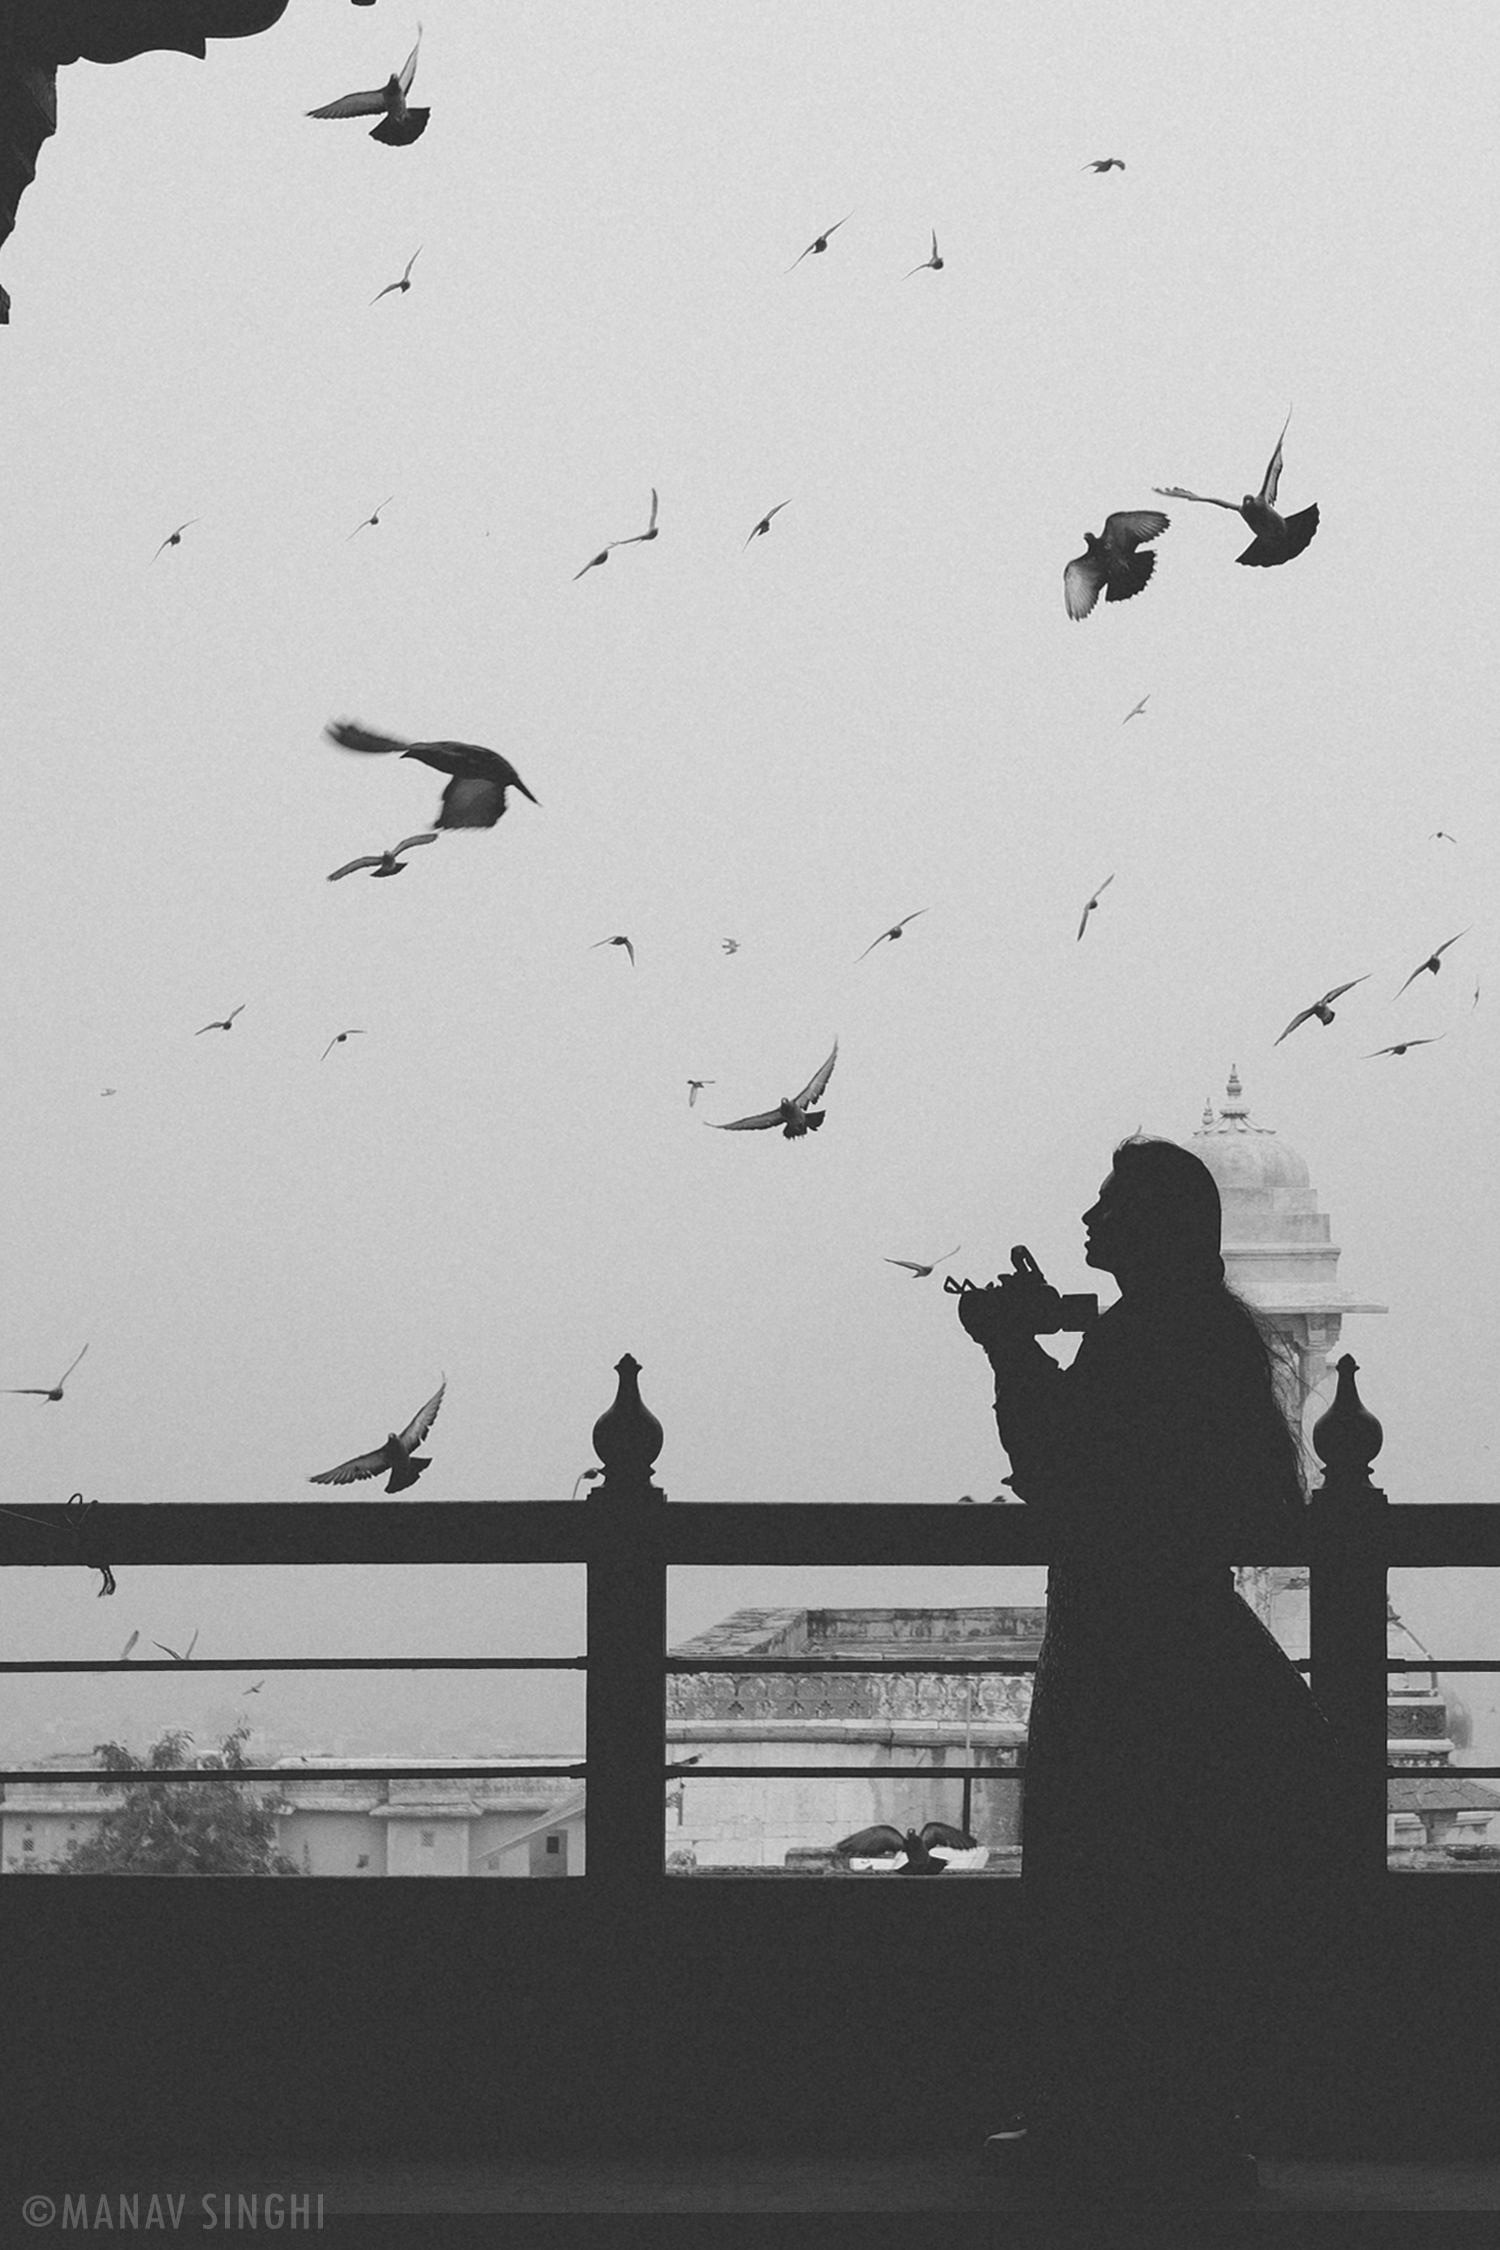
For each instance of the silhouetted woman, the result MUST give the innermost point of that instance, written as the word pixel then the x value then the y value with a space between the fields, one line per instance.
pixel 1181 1811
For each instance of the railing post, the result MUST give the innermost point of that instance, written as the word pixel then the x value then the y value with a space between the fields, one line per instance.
pixel 627 1636
pixel 1347 1610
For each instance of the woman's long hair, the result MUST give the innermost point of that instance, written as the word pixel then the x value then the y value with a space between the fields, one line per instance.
pixel 1178 1198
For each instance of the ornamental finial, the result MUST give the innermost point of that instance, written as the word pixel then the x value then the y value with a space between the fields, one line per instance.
pixel 1347 1438
pixel 627 1436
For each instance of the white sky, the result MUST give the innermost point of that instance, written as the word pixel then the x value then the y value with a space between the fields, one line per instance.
pixel 879 707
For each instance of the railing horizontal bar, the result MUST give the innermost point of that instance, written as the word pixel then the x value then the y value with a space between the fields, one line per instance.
pixel 1443 1664
pixel 311 1664
pixel 1442 1773
pixel 860 1773
pixel 103 1780
pixel 693 1666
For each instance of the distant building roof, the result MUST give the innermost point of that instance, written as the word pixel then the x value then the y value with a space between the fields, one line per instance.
pixel 1440 1792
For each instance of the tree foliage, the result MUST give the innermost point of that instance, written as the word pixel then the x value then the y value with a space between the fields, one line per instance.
pixel 213 1827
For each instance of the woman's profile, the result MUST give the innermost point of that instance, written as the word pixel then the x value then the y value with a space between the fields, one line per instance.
pixel 1180 1818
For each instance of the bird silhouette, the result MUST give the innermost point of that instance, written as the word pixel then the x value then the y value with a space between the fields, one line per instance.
pixel 1434 960
pixel 183 1656
pixel 630 949
pixel 404 283
pixel 731 945
pixel 696 1086
pixel 124 1655
pixel 386 863
pixel 920 1273
pixel 366 522
pixel 32 1390
pixel 819 243
pixel 106 1091
pixel 637 537
pixel 1402 1045
pixel 765 522
pixel 1322 1009
pixel 221 1023
pixel 1104 164
pixel 256 1689
pixel 1277 538
pixel 883 1850
pixel 1137 712
pixel 398 123
pixel 174 538
pixel 893 932
pixel 398 1454
pixel 592 564
pixel 1109 565
pixel 1441 836
pixel 1093 902
pixel 934 261
pixel 354 1032
pixel 794 1113
pixel 474 798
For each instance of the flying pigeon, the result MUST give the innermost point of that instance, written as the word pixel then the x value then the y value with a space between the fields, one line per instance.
pixel 794 1113
pixel 354 1032
pixel 731 945
pixel 1104 164
pixel 222 1023
pixel 891 933
pixel 1441 836
pixel 398 1454
pixel 32 1390
pixel 398 124
pixel 593 563
pixel 256 1689
pixel 696 1086
pixel 1322 1009
pixel 124 1655
pixel 816 248
pixel 1277 538
pixel 184 1656
pixel 474 798
pixel 1109 565
pixel 1093 902
pixel 934 261
pixel 630 949
pixel 637 537
pixel 883 1850
pixel 765 522
pixel 404 283
pixel 366 522
pixel 386 863
pixel 920 1273
pixel 1402 1045
pixel 1137 712
pixel 174 538
pixel 1434 960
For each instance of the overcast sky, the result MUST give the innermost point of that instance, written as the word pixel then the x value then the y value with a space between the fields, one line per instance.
pixel 879 707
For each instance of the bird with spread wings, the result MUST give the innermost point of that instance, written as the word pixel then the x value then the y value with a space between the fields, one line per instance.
pixel 385 863
pixel 1109 564
pixel 1277 538
pixel 474 798
pixel 399 124
pixel 794 1113
pixel 33 1390
pixel 398 1454
pixel 1322 1009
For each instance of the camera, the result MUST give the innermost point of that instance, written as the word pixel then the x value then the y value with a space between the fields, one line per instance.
pixel 1025 1297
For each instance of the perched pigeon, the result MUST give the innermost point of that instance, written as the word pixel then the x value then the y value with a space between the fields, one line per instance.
pixel 1322 1009
pixel 385 863
pixel 474 798
pixel 1109 565
pixel 398 124
pixel 398 1454
pixel 883 1850
pixel 32 1390
pixel 1434 960
pixel 816 247
pixel 794 1113
pixel 1277 538
pixel 894 932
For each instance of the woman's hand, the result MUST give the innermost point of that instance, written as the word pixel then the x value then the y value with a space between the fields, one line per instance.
pixel 1011 1313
